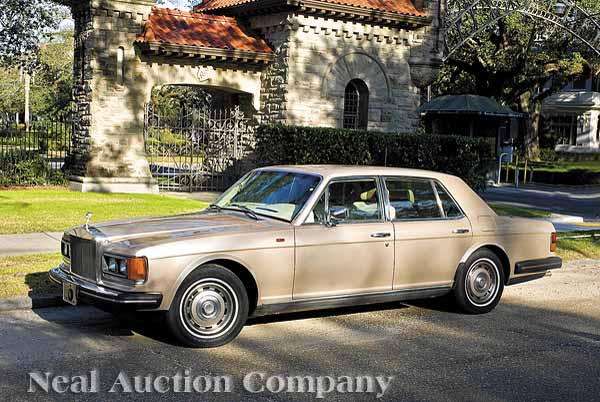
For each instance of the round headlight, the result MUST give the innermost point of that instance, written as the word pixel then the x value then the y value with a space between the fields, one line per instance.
pixel 112 265
pixel 123 267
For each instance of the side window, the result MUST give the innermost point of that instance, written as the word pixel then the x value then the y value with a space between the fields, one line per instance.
pixel 318 215
pixel 448 204
pixel 359 197
pixel 413 198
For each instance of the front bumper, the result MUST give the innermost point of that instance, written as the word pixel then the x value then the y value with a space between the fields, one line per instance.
pixel 94 294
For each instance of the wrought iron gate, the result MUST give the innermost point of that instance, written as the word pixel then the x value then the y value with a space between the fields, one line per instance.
pixel 197 149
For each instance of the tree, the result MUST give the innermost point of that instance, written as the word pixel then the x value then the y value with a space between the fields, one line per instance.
pixel 24 25
pixel 520 61
pixel 53 75
pixel 51 79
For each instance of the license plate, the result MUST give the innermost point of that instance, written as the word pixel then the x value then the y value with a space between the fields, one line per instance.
pixel 70 293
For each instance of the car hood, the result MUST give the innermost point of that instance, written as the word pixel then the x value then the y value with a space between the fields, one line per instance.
pixel 178 226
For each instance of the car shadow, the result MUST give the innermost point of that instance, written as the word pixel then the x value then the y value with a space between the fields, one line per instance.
pixel 304 315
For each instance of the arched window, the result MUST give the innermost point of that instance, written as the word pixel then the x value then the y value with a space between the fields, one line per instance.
pixel 120 70
pixel 356 105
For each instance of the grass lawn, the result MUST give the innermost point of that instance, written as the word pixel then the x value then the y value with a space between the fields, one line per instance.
pixel 590 166
pixel 57 209
pixel 27 275
pixel 502 209
pixel 577 249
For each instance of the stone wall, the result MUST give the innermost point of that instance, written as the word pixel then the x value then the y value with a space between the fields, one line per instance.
pixel 82 91
pixel 110 106
pixel 273 98
pixel 318 56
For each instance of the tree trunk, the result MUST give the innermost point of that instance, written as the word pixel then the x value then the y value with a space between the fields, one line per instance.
pixel 532 130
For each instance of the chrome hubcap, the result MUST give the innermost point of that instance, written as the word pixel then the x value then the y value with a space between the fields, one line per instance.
pixel 209 308
pixel 482 282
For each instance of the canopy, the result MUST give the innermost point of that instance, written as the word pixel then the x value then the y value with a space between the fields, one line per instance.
pixel 467 104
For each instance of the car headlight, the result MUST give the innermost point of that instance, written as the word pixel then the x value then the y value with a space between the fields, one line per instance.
pixel 133 268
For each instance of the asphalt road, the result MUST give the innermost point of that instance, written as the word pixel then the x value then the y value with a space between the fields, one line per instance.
pixel 577 201
pixel 541 344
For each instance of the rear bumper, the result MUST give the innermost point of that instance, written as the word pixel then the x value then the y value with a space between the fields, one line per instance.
pixel 93 294
pixel 537 266
pixel 534 269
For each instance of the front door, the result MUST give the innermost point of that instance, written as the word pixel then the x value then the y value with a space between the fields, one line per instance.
pixel 349 256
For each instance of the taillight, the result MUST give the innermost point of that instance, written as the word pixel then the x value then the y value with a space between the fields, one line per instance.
pixel 553 242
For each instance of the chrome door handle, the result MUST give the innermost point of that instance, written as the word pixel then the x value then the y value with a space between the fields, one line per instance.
pixel 460 231
pixel 381 235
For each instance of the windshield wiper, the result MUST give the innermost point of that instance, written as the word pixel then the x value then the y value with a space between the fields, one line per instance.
pixel 215 206
pixel 267 209
pixel 247 211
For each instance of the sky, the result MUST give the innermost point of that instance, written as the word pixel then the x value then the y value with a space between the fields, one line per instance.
pixel 179 4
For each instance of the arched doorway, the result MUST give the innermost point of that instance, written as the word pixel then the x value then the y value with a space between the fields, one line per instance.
pixel 195 135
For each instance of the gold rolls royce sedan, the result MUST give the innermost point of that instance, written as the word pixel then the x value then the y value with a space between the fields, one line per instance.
pixel 291 238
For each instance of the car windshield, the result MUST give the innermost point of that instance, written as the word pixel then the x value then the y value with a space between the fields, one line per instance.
pixel 275 194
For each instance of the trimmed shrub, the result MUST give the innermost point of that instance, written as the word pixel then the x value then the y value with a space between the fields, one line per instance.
pixel 23 169
pixel 468 158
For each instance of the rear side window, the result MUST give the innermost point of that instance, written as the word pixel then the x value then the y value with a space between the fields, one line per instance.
pixel 450 208
pixel 413 198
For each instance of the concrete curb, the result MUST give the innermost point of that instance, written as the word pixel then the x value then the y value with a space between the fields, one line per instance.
pixel 556 218
pixel 29 303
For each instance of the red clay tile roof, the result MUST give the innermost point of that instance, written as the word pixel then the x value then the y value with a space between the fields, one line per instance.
pixel 405 7
pixel 202 30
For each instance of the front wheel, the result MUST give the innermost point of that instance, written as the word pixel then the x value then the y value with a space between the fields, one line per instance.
pixel 479 283
pixel 209 309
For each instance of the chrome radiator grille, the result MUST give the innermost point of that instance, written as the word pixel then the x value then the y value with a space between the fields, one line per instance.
pixel 83 258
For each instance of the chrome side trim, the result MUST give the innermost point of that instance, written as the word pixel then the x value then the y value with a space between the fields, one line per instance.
pixel 352 300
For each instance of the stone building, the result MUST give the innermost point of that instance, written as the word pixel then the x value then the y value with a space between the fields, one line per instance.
pixel 335 63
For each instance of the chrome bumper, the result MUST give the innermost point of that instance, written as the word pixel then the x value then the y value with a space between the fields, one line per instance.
pixel 94 294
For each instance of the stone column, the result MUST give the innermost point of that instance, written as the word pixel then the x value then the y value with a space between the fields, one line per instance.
pixel 108 141
pixel 426 52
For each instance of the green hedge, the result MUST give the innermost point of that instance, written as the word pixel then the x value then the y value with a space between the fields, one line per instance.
pixel 468 158
pixel 27 169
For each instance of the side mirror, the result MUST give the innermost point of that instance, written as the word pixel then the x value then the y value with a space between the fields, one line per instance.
pixel 337 215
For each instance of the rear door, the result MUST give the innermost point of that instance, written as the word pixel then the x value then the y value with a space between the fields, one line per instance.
pixel 431 232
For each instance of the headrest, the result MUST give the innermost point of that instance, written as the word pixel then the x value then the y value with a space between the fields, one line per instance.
pixel 368 195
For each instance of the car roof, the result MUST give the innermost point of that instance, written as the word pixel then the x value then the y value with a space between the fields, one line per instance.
pixel 328 171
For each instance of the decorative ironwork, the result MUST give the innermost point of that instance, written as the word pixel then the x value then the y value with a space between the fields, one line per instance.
pixel 466 19
pixel 199 149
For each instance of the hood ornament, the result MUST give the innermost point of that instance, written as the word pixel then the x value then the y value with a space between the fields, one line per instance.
pixel 88 216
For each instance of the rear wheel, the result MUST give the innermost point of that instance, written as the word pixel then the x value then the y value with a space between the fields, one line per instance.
pixel 209 309
pixel 479 283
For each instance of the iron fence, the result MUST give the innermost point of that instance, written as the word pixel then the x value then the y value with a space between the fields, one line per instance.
pixel 46 141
